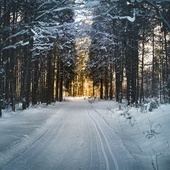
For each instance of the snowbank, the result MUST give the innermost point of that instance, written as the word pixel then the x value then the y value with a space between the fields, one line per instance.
pixel 146 135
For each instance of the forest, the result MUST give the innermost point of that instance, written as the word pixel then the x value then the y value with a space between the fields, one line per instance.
pixel 128 54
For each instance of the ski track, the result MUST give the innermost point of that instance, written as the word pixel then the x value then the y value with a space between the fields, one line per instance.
pixel 91 148
pixel 119 148
pixel 103 140
pixel 76 136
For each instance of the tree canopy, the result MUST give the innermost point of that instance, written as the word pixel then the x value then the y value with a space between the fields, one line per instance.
pixel 38 53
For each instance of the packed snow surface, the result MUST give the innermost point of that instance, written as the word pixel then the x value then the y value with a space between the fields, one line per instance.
pixel 81 134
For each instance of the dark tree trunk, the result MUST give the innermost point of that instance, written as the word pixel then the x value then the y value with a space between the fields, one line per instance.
pixel 12 66
pixel 26 78
pixel 167 69
pixel 111 82
pixel 35 82
pixel 106 85
pixel 1 87
pixel 153 66
pixel 57 78
pixel 101 88
pixel 49 78
pixel 61 81
pixel 132 66
pixel 142 70
pixel 119 78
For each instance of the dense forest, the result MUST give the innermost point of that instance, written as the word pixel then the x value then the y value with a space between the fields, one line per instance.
pixel 129 53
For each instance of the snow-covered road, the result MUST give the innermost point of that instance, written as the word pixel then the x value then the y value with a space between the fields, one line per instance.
pixel 74 136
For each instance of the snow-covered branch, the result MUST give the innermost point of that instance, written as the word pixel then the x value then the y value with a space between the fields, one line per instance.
pixel 20 43
pixel 129 18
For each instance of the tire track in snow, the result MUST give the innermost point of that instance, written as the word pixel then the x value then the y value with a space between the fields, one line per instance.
pixel 91 148
pixel 103 141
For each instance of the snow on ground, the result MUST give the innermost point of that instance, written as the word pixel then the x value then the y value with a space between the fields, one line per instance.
pixel 144 135
pixel 20 129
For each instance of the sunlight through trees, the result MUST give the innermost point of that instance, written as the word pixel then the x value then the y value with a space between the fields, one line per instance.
pixel 111 48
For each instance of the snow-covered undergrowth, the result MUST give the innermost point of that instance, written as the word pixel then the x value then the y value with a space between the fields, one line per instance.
pixel 145 134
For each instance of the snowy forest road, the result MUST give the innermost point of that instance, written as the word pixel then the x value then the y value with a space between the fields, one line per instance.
pixel 76 137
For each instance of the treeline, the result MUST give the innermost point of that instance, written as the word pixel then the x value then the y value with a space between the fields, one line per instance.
pixel 130 50
pixel 36 51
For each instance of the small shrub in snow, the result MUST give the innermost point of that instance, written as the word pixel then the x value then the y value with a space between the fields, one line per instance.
pixel 127 115
pixel 152 105
pixel 149 106
pixel 143 108
pixel 151 133
pixel 153 130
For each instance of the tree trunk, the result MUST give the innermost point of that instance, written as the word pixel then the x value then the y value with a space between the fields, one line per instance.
pixel 153 66
pixel 26 78
pixel 111 82
pixel 106 85
pixel 142 70
pixel 35 82
pixel 1 88
pixel 61 81
pixel 101 88
pixel 167 69
pixel 57 77
pixel 49 78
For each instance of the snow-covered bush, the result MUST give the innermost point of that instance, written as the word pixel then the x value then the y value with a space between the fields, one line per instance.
pixel 126 113
pixel 149 106
pixel 152 105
